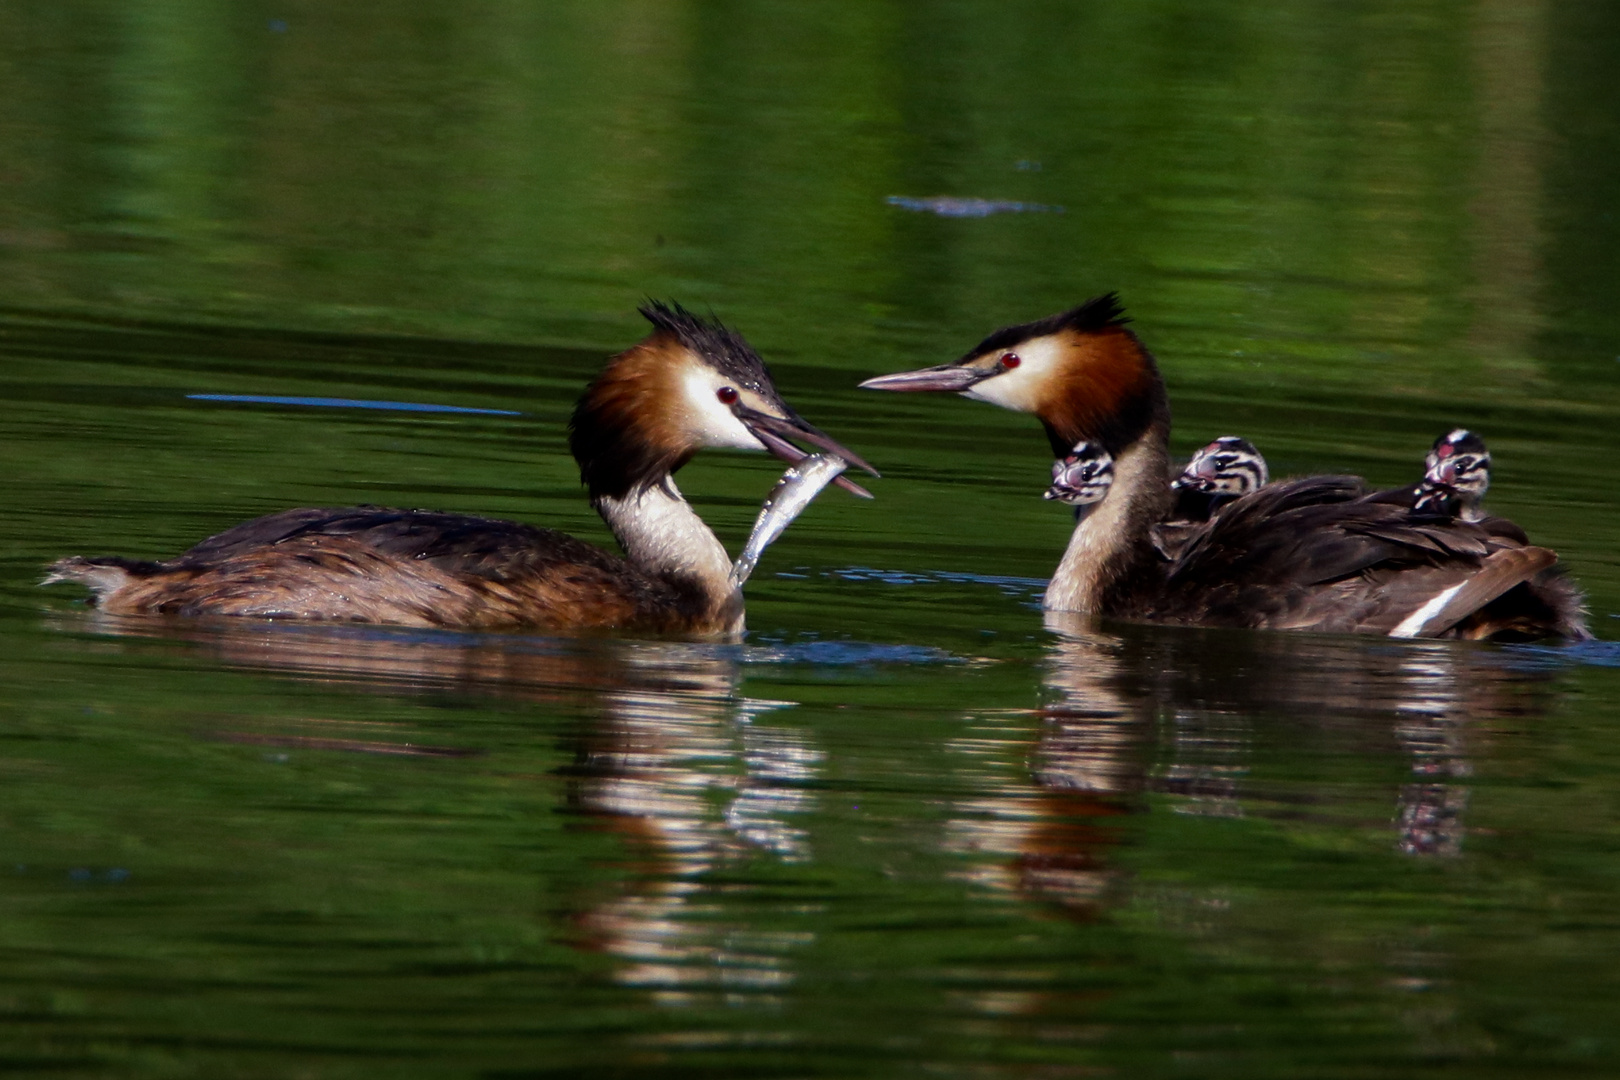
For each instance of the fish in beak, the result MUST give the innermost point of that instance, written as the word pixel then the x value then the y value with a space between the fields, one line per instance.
pixel 775 431
pixel 796 490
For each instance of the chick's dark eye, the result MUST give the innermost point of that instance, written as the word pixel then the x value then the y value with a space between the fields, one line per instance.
pixel 1010 360
pixel 727 395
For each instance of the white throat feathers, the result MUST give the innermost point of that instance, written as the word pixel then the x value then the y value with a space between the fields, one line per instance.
pixel 1104 543
pixel 663 535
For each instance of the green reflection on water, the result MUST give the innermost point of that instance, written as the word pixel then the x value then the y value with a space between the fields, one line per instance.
pixel 904 829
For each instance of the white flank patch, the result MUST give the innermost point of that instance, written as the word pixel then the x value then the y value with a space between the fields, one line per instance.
pixel 1413 624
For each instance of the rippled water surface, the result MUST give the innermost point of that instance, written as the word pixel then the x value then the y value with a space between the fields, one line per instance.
pixel 905 827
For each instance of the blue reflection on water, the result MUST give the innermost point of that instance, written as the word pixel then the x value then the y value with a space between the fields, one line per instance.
pixel 952 206
pixel 349 403
pixel 1595 653
pixel 814 651
pixel 845 653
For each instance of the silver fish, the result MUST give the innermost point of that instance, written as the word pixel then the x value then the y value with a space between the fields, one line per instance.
pixel 798 487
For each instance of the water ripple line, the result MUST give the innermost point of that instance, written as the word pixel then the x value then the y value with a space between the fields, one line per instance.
pixel 349 403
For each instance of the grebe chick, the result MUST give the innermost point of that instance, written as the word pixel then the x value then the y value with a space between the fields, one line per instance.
pixel 1456 475
pixel 690 384
pixel 1219 474
pixel 1309 554
pixel 1082 477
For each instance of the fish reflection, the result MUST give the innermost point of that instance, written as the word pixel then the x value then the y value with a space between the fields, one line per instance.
pixel 686 773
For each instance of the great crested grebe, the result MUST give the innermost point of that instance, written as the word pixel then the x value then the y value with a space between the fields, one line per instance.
pixel 1310 554
pixel 690 384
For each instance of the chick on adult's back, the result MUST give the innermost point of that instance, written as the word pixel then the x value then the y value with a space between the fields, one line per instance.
pixel 1310 554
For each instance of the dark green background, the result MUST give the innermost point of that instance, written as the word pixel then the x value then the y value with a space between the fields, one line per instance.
pixel 904 829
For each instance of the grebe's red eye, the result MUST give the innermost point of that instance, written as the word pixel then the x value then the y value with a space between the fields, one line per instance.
pixel 1010 360
pixel 727 395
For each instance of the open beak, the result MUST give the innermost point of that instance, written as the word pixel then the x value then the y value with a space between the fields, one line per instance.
pixel 950 377
pixel 775 432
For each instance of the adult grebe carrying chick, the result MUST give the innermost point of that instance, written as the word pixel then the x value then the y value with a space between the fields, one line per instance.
pixel 690 384
pixel 1308 554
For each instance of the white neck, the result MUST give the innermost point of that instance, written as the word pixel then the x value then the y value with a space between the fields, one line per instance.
pixel 1102 547
pixel 662 534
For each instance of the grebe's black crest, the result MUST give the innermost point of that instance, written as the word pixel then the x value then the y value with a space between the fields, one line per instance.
pixel 721 346
pixel 1098 313
pixel 1083 372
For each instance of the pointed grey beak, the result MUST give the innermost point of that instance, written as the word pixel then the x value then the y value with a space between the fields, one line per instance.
pixel 775 432
pixel 950 377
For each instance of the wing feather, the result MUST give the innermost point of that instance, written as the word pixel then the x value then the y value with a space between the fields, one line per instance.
pixel 1324 554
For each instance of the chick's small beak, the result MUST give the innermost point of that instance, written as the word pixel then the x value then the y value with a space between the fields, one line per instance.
pixel 1200 477
pixel 949 377
pixel 775 431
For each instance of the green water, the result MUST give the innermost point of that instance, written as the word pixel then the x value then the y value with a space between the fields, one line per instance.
pixel 904 828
